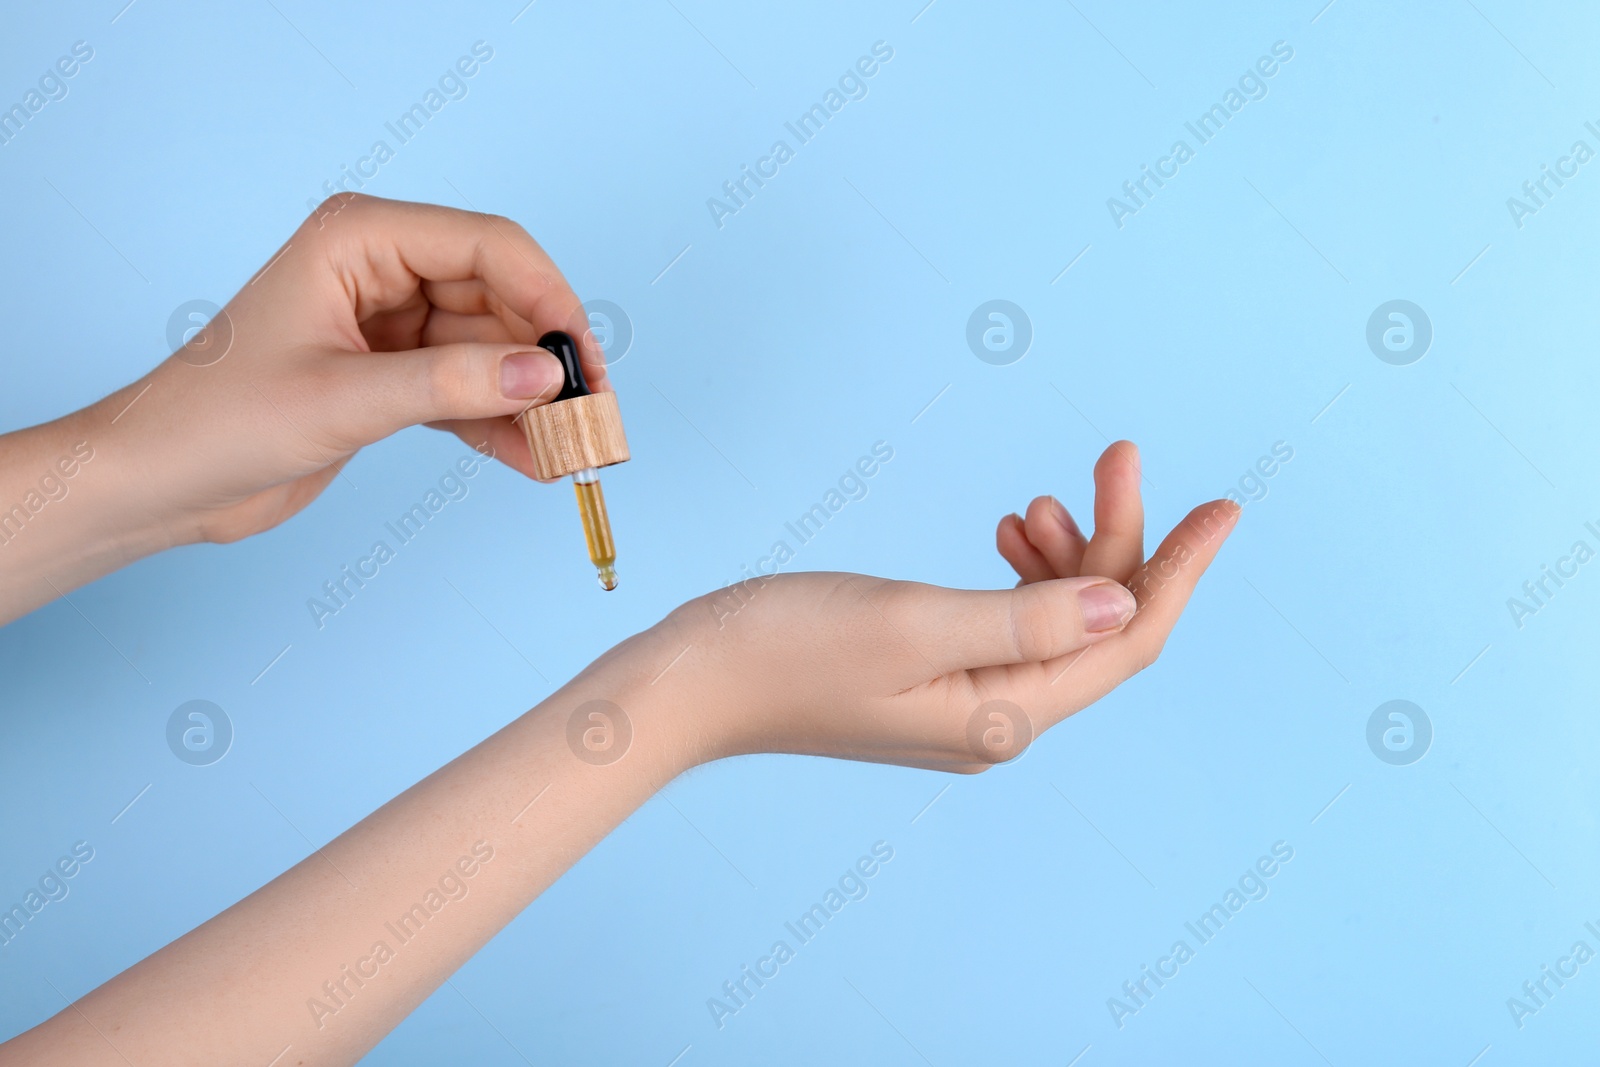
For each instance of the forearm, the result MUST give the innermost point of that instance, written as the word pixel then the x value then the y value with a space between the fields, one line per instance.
pixel 74 505
pixel 333 954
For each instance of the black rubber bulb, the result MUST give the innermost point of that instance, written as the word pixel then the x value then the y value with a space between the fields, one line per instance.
pixel 571 365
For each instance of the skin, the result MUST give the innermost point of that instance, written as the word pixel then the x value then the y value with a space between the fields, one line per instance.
pixel 823 664
pixel 375 315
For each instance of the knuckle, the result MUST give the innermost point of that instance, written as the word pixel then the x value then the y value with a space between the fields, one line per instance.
pixel 502 226
pixel 1147 656
pixel 1035 629
pixel 449 379
pixel 335 205
pixel 322 377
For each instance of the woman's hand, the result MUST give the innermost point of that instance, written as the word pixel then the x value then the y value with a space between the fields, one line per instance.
pixel 898 672
pixel 374 316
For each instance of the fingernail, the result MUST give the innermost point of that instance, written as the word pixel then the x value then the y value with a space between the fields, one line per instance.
pixel 1063 516
pixel 1105 607
pixel 526 375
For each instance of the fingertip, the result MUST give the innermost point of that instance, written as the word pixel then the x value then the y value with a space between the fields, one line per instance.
pixel 1203 530
pixel 1117 476
pixel 1188 551
pixel 1064 517
pixel 1215 517
pixel 533 376
pixel 1120 456
pixel 1047 509
pixel 593 355
pixel 1011 540
pixel 1011 537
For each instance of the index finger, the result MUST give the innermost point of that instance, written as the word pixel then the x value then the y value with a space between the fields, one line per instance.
pixel 443 244
pixel 1164 584
pixel 1064 684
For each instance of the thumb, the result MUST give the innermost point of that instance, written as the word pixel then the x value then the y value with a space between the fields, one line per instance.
pixel 959 629
pixel 446 382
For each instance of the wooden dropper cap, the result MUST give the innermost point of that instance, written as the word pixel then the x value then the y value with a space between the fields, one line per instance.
pixel 578 429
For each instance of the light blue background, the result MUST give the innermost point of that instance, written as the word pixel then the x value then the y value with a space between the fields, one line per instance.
pixel 1224 317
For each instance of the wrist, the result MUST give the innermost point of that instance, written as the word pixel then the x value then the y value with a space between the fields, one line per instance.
pixel 74 506
pixel 705 682
pixel 667 691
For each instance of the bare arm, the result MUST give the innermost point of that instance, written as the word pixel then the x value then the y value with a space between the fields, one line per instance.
pixel 329 957
pixel 334 953
pixel 69 512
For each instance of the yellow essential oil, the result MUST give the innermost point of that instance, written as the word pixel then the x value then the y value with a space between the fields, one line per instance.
pixel 596 526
